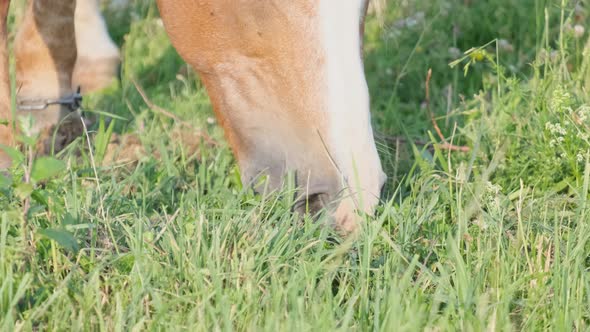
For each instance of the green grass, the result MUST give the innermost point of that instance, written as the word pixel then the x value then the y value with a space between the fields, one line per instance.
pixel 497 238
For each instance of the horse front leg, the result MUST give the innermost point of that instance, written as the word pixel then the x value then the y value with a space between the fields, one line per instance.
pixel 5 111
pixel 98 60
pixel 45 51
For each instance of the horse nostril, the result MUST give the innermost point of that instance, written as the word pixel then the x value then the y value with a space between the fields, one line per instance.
pixel 312 204
pixel 382 182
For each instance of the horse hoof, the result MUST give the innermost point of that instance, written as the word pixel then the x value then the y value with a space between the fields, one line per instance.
pixel 93 75
pixel 57 137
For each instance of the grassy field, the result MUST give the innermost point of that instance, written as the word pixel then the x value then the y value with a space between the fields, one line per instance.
pixel 494 237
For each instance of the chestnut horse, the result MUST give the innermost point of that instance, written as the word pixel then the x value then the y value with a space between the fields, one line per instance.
pixel 285 78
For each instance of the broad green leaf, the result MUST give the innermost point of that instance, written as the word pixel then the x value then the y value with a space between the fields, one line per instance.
pixel 23 190
pixel 46 167
pixel 40 196
pixel 28 140
pixel 102 139
pixel 69 219
pixel 64 238
pixel 14 154
pixel 5 181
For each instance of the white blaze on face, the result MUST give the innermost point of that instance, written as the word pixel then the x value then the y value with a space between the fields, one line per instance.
pixel 350 139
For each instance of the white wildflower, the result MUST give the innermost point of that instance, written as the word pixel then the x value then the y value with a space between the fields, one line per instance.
pixel 579 31
pixel 556 129
pixel 492 195
pixel 505 45
pixel 554 55
pixel 454 52
pixel 583 113
pixel 543 56
pixel 411 21
pixel 493 188
pixel 560 100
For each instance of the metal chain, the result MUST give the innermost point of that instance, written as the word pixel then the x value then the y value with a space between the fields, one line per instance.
pixel 73 102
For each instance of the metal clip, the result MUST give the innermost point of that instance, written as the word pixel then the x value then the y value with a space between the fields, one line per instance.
pixel 73 102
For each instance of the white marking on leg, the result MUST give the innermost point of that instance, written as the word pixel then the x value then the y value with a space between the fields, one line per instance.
pixel 350 139
pixel 92 37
